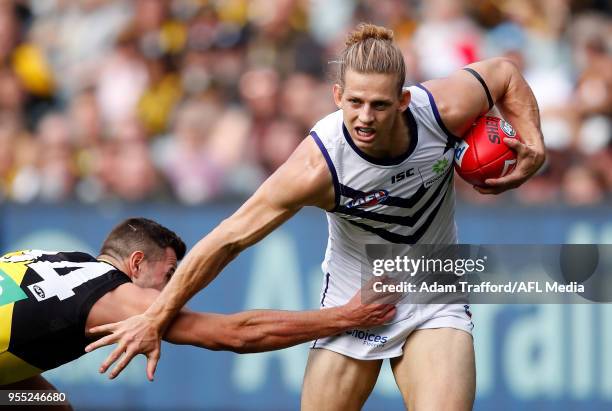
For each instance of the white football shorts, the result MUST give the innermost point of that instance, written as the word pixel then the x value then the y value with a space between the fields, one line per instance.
pixel 387 341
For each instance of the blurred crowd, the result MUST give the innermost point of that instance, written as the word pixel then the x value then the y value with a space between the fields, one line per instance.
pixel 196 100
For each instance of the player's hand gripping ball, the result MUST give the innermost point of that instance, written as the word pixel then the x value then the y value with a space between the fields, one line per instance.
pixel 482 154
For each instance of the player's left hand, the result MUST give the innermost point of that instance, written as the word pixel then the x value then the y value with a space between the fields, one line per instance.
pixel 135 335
pixel 529 160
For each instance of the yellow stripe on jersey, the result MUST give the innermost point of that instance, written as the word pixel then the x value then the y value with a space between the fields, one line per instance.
pixel 6 316
pixel 15 270
pixel 13 369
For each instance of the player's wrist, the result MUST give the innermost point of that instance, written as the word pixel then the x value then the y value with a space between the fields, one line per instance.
pixel 157 319
pixel 344 317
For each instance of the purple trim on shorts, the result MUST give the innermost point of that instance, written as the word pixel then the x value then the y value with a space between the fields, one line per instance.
pixel 322 301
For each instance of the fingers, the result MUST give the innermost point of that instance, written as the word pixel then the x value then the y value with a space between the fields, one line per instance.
pixel 111 359
pixel 520 174
pixel 108 340
pixel 390 314
pixel 129 354
pixel 514 144
pixel 103 329
pixel 489 190
pixel 152 361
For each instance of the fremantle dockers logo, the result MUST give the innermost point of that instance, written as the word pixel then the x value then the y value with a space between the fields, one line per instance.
pixel 507 128
pixel 369 200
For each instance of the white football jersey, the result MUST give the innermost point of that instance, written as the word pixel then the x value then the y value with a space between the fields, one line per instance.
pixel 402 201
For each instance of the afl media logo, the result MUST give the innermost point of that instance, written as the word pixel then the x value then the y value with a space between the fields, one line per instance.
pixel 38 291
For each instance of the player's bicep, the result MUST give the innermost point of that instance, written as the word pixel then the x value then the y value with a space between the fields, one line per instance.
pixel 470 92
pixel 303 180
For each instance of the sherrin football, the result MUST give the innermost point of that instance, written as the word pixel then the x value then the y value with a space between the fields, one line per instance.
pixel 482 153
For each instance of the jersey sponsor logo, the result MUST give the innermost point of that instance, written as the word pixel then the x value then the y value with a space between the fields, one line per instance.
pixel 368 200
pixel 432 173
pixel 400 176
pixel 39 292
pixel 373 340
pixel 460 152
pixel 440 166
pixel 507 128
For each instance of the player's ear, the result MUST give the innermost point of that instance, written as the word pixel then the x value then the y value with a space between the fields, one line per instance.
pixel 135 262
pixel 405 99
pixel 337 91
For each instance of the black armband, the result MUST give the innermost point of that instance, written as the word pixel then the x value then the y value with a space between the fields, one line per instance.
pixel 482 82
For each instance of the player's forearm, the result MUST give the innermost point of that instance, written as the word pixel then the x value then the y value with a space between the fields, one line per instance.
pixel 265 330
pixel 519 106
pixel 257 330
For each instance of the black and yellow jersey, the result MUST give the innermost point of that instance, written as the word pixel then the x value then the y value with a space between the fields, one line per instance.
pixel 45 298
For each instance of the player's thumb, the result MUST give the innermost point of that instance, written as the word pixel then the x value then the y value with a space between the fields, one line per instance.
pixel 513 143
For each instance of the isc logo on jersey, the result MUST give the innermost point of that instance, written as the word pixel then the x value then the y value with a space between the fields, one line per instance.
pixel 369 200
pixel 373 340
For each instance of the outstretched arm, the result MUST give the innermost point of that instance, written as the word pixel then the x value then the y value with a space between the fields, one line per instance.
pixel 244 332
pixel 303 180
pixel 461 98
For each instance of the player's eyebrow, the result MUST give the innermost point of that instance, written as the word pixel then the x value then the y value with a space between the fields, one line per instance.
pixel 382 102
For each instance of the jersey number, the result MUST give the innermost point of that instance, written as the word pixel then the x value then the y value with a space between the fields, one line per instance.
pixel 62 286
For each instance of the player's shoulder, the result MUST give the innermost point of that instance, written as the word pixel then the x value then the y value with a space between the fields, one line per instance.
pixel 327 127
pixel 420 97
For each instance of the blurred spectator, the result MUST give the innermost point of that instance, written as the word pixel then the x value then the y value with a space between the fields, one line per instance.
pixel 185 157
pixel 446 39
pixel 122 79
pixel 138 100
pixel 128 170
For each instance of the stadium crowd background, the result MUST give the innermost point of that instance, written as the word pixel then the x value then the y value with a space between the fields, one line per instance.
pixel 200 100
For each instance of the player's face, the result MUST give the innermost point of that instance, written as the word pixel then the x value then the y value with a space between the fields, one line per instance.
pixel 157 272
pixel 371 108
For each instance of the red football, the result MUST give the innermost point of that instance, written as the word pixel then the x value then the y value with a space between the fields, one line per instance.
pixel 482 153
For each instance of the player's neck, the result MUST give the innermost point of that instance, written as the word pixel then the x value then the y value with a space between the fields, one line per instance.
pixel 118 264
pixel 395 144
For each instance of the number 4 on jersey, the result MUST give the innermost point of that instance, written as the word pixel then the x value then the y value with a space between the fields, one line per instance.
pixel 62 286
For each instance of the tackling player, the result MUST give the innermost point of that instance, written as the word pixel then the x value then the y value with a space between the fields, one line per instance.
pixel 49 300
